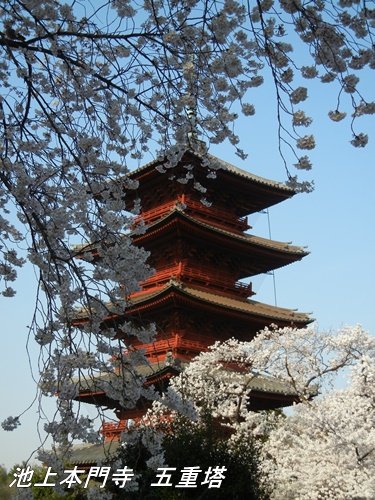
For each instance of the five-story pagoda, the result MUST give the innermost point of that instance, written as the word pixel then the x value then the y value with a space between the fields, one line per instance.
pixel 196 232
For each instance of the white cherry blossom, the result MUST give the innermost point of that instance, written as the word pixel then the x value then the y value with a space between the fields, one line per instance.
pixel 87 89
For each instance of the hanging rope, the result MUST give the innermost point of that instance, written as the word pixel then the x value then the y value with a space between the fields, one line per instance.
pixel 273 271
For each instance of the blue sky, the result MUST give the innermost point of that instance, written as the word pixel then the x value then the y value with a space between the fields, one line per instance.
pixel 336 222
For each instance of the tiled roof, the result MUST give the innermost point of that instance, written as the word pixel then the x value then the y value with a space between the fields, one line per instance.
pixel 257 308
pixel 248 238
pixel 248 306
pixel 220 164
pixel 90 454
pixel 247 175
pixel 257 241
pixel 257 382
pixel 149 371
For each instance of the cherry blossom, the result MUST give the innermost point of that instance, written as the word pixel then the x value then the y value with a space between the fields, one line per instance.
pixel 87 90
pixel 326 447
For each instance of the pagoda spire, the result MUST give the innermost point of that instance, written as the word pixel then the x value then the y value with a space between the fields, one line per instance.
pixel 193 141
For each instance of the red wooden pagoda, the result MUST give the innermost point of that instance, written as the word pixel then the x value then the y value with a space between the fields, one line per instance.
pixel 201 252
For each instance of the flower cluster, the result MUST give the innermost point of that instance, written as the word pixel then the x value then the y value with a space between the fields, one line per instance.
pixel 10 423
pixel 300 119
pixel 359 140
pixel 306 142
pixel 303 163
pixel 84 95
pixel 326 447
pixel 336 115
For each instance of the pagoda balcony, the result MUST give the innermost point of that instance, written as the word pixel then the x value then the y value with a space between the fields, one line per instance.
pixel 149 216
pixel 218 281
pixel 184 345
pixel 191 343
pixel 113 429
pixel 216 216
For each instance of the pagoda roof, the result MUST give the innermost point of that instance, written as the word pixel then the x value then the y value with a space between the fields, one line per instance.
pixel 246 307
pixel 219 164
pixel 256 192
pixel 276 253
pixel 90 388
pixel 150 371
pixel 174 289
pixel 91 454
pixel 256 179
pixel 266 393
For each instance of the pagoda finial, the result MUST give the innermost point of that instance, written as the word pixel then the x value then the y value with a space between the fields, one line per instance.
pixel 191 113
pixel 194 142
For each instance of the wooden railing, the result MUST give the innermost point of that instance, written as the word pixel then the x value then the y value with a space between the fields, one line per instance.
pixel 158 349
pixel 159 346
pixel 156 213
pixel 162 275
pixel 209 278
pixel 113 429
pixel 213 214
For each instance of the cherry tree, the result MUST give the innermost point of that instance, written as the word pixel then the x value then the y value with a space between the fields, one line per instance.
pixel 88 89
pixel 326 447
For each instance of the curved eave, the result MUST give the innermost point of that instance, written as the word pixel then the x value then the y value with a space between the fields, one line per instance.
pixel 275 253
pixel 167 295
pixel 91 392
pixel 221 304
pixel 250 239
pixel 256 179
pixel 256 192
pixel 87 454
pixel 266 392
pixel 218 164
pixel 97 398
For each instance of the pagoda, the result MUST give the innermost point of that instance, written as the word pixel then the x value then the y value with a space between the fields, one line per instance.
pixel 196 230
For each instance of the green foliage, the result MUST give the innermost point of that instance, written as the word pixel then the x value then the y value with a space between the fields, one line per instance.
pixel 5 480
pixel 190 444
pixel 39 492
